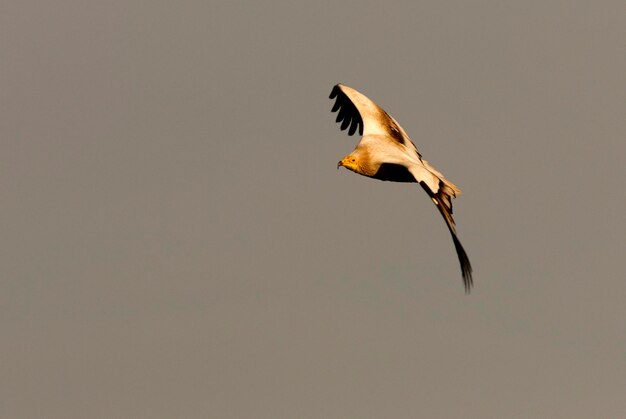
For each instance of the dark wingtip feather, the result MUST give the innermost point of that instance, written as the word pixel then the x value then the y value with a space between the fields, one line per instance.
pixel 345 124
pixel 466 266
pixel 348 114
pixel 353 127
pixel 441 199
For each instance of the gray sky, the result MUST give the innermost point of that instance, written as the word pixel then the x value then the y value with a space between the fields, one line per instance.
pixel 176 240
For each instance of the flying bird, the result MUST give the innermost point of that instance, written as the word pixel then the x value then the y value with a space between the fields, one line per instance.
pixel 385 152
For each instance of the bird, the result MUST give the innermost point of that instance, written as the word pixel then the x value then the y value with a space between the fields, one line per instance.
pixel 385 152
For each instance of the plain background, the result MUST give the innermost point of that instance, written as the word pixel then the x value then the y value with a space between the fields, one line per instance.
pixel 177 243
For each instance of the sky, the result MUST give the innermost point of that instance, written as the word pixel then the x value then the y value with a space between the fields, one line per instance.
pixel 177 242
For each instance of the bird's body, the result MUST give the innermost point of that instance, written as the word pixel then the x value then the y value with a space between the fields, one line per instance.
pixel 385 152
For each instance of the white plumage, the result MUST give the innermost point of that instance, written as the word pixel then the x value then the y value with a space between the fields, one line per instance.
pixel 386 152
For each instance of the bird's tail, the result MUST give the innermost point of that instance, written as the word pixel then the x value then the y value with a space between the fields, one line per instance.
pixel 443 201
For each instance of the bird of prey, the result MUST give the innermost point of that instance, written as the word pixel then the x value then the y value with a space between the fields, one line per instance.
pixel 386 152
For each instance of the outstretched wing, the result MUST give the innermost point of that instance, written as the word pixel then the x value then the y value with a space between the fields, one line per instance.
pixel 442 191
pixel 357 111
pixel 443 201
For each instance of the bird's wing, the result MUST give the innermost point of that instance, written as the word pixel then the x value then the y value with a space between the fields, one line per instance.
pixel 441 191
pixel 357 111
pixel 443 201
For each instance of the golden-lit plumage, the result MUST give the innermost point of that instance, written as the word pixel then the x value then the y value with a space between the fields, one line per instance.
pixel 385 152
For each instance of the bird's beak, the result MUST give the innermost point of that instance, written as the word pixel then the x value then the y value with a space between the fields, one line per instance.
pixel 339 164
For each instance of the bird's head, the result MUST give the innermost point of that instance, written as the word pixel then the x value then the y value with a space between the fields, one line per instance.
pixel 349 162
